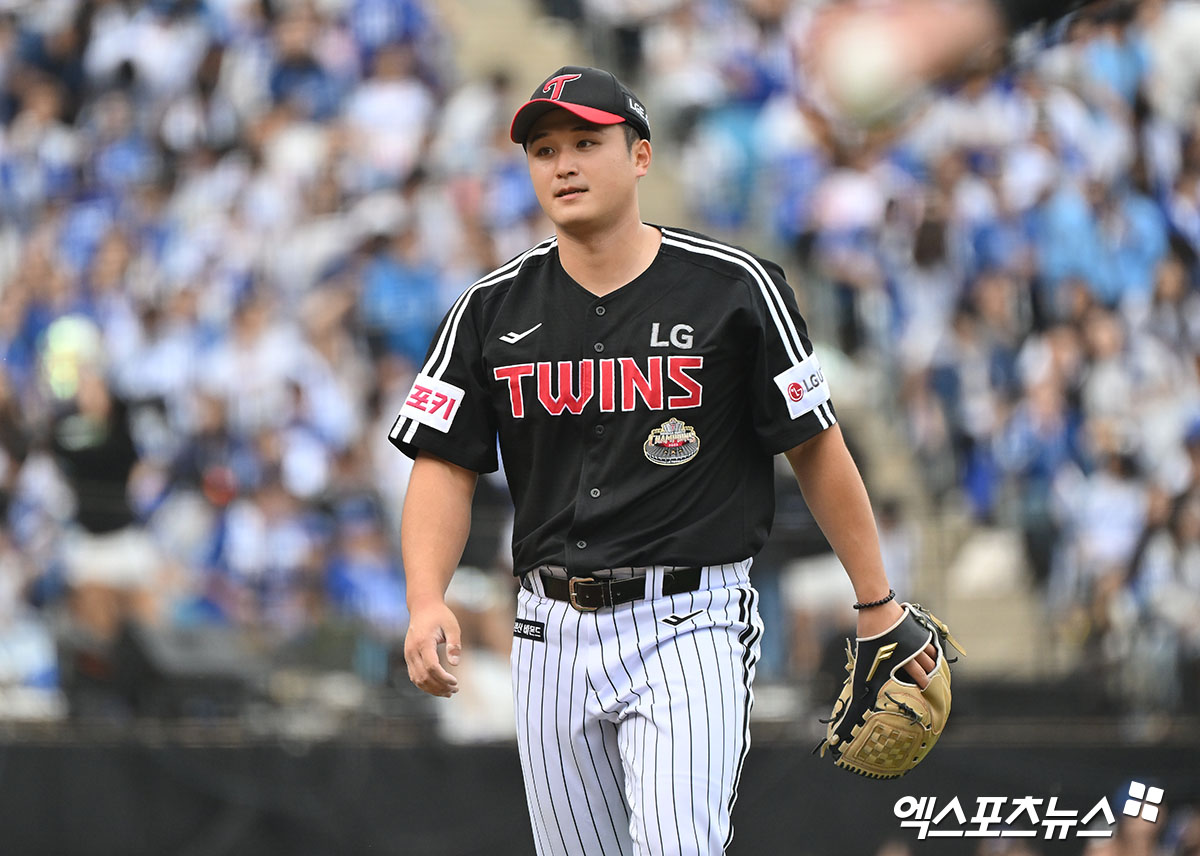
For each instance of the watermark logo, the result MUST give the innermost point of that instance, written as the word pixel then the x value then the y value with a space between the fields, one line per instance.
pixel 1144 801
pixel 1022 817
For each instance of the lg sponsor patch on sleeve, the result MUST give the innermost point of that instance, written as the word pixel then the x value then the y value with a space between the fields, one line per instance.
pixel 803 387
pixel 433 402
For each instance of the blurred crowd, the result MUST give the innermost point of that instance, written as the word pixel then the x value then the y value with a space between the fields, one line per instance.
pixel 228 229
pixel 1015 259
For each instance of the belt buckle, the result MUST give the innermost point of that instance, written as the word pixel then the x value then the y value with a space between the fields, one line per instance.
pixel 571 594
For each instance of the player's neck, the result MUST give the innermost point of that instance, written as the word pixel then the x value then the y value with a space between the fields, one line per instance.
pixel 604 261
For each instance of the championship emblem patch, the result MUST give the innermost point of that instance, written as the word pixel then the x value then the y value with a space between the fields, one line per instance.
pixel 672 444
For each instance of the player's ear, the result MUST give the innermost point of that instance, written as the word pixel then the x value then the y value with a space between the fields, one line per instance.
pixel 642 155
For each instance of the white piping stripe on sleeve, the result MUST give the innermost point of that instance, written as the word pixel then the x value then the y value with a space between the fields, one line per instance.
pixel 775 303
pixel 771 306
pixel 445 343
pixel 539 250
pixel 762 275
pixel 454 316
pixel 399 426
pixel 456 312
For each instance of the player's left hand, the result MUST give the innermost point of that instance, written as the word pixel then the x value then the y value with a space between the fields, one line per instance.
pixel 882 726
pixel 878 619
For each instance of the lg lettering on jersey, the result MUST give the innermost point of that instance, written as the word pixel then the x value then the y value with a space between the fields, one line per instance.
pixel 681 336
pixel 567 387
pixel 433 402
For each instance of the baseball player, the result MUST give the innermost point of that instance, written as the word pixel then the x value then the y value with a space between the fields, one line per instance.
pixel 639 379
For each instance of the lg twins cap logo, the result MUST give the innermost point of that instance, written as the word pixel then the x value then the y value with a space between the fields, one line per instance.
pixel 555 85
pixel 803 387
pixel 433 402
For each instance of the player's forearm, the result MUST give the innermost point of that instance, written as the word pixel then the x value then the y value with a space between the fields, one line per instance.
pixel 435 525
pixel 970 24
pixel 873 58
pixel 838 500
pixel 941 35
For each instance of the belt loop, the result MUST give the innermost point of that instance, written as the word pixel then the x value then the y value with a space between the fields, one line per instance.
pixel 655 576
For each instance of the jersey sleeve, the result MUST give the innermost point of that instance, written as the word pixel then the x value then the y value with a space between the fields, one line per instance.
pixel 447 411
pixel 790 398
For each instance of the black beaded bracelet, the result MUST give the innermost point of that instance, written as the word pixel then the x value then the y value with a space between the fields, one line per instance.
pixel 891 595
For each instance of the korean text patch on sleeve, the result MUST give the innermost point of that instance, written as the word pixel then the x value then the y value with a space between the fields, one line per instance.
pixel 433 402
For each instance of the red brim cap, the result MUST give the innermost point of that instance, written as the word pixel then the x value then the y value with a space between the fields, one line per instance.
pixel 536 108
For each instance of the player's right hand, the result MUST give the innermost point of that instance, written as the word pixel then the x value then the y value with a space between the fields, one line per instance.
pixel 431 627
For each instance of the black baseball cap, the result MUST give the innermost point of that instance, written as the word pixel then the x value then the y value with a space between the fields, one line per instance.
pixel 590 93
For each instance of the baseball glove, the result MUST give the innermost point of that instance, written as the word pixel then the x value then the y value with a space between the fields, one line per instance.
pixel 883 724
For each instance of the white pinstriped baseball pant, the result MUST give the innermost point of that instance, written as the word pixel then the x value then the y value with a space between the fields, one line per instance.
pixel 633 729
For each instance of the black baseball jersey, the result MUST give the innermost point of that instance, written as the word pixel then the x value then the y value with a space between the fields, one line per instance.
pixel 636 428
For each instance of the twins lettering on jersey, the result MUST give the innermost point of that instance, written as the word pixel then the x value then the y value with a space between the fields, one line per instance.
pixel 566 386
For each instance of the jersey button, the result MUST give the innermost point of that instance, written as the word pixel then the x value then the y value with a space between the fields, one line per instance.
pixel 598 347
pixel 600 310
pixel 599 429
pixel 581 544
pixel 595 492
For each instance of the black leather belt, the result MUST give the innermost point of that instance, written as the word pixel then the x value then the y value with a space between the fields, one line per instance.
pixel 587 594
